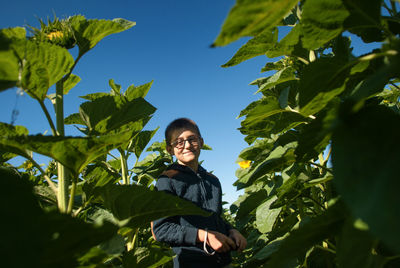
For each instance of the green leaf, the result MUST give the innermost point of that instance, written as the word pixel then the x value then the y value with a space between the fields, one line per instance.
pixel 315 136
pixel 290 45
pixel 8 69
pixel 265 117
pixel 74 119
pixel 322 20
pixel 8 132
pixel 250 203
pixel 103 114
pixel 267 250
pixel 352 238
pixel 137 206
pixel 380 75
pixel 41 239
pixel 12 33
pixel 279 159
pixel 320 82
pixel 301 240
pixel 266 216
pixel 281 76
pixel 260 148
pixel 21 243
pixel 366 166
pixel 45 65
pixel 140 141
pixel 137 92
pixel 257 46
pixel 89 32
pixel 12 49
pixel 364 20
pixel 115 88
pixel 71 82
pixel 150 257
pixel 73 152
pixel 250 17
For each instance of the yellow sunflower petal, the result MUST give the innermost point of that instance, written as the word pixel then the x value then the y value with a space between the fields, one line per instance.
pixel 244 164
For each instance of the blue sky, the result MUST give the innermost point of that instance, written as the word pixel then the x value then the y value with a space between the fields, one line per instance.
pixel 170 45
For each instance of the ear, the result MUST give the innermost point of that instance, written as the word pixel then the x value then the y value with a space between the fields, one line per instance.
pixel 201 142
pixel 170 150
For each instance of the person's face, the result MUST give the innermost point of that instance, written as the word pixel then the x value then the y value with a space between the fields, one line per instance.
pixel 185 145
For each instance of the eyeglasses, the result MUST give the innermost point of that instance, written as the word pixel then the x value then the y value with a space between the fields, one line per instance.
pixel 179 144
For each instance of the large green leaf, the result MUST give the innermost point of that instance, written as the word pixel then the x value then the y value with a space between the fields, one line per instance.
pixel 140 141
pixel 71 82
pixel 353 238
pixel 266 117
pixel 149 257
pixel 250 202
pixel 45 65
pixel 364 19
pixel 267 216
pixel 290 45
pixel 8 69
pixel 281 76
pixel 250 17
pixel 9 60
pixel 36 238
pixel 89 32
pixel 301 240
pixel 315 136
pixel 8 132
pixel 320 82
pixel 257 46
pixel 381 72
pixel 134 92
pixel 107 113
pixel 322 20
pixel 279 159
pixel 366 166
pixel 137 206
pixel 73 152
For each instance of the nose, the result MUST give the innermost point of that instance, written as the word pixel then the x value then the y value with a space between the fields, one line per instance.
pixel 187 144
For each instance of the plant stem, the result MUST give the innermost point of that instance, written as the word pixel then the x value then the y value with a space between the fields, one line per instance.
pixel 394 9
pixel 63 180
pixel 326 249
pixel 124 167
pixel 132 240
pixel 322 167
pixel 46 112
pixel 71 198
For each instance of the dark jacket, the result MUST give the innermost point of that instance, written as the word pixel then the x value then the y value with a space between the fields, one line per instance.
pixel 204 190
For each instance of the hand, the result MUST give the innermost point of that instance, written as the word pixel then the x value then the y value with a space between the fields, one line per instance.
pixel 217 241
pixel 239 239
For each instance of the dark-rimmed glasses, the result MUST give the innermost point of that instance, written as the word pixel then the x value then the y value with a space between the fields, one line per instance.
pixel 180 143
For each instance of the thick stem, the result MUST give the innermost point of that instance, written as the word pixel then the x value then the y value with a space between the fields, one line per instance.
pixel 63 180
pixel 71 198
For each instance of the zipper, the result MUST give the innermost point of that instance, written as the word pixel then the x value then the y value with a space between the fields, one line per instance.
pixel 203 190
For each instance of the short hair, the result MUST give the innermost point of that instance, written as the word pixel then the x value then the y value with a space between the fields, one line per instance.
pixel 180 123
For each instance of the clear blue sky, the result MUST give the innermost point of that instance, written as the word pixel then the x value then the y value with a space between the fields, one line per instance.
pixel 170 45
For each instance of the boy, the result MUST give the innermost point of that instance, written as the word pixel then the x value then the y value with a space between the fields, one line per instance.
pixel 197 241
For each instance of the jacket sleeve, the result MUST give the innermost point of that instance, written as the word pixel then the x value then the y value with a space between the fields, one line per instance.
pixel 168 229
